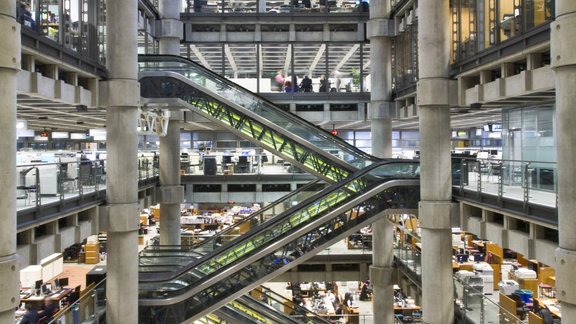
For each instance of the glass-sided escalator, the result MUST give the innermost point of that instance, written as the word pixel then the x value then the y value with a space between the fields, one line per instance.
pixel 279 244
pixel 165 77
pixel 164 258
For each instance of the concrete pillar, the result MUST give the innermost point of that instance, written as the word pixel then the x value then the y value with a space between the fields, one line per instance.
pixel 28 63
pixel 507 70
pixel 380 30
pixel 171 193
pixel 122 92
pixel 9 66
pixel 563 55
pixel 435 180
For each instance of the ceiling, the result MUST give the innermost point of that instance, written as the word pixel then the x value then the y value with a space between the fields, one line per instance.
pixel 241 61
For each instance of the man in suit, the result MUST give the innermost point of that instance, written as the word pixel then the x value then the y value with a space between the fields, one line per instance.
pixel 30 317
pixel 48 310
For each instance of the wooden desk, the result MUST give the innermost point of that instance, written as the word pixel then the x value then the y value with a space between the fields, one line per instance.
pixel 551 304
pixel 353 314
pixel 406 310
pixel 36 301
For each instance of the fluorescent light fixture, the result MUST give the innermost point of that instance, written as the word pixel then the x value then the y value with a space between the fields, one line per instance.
pixel 60 135
pixel 97 131
pixel 25 132
pixel 78 136
pixel 100 137
pixel 21 124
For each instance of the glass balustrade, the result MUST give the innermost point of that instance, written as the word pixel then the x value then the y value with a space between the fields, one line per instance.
pixel 531 182
pixel 88 306
pixel 41 184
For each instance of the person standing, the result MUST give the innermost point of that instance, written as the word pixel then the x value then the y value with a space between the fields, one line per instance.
pixel 306 84
pixel 279 81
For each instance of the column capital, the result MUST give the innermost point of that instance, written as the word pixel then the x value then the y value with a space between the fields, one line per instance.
pixel 380 109
pixel 436 92
pixel 381 276
pixel 380 27
pixel 169 28
pixel 171 194
pixel 565 275
pixel 435 214
pixel 562 50
pixel 122 217
pixel 10 36
pixel 119 93
pixel 9 292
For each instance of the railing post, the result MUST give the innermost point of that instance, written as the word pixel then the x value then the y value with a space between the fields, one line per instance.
pixel 526 184
pixel 60 182
pixel 479 178
pixel 500 182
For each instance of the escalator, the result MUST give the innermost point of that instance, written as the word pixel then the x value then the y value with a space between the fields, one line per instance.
pixel 279 244
pixel 167 80
pixel 163 258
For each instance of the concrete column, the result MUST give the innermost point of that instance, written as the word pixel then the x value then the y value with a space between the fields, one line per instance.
pixel 380 31
pixel 564 64
pixel 435 180
pixel 171 193
pixel 9 66
pixel 122 93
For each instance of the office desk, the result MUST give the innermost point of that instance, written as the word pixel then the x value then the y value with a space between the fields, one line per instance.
pixel 406 310
pixel 552 304
pixel 353 314
pixel 36 301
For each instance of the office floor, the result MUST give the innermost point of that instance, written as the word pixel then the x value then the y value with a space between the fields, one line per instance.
pixel 365 307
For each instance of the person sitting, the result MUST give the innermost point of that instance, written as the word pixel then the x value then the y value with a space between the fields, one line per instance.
pixel 31 316
pixel 48 310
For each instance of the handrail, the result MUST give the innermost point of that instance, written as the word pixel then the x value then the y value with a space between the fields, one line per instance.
pixel 351 181
pixel 163 58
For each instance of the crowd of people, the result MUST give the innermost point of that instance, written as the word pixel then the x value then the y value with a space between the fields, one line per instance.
pixel 284 84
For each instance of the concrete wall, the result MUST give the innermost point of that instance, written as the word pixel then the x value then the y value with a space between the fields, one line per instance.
pixel 67 237
pixel 44 246
pixel 35 84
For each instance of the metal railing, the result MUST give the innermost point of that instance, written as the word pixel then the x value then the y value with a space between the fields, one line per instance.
pixel 532 182
pixel 45 183
pixel 89 306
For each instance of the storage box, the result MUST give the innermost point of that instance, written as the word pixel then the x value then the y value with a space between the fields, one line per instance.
pixel 92 248
pixel 91 260
pixel 524 294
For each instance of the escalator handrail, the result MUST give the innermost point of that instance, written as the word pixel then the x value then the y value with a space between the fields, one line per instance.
pixel 239 264
pixel 258 213
pixel 342 164
pixel 274 221
pixel 255 305
pixel 249 218
pixel 162 58
pixel 281 299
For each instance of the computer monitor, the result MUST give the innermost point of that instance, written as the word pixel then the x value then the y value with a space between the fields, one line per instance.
pixel 227 159
pixel 64 282
pixel 478 257
pixel 38 284
pixel 46 289
pixel 461 258
pixel 61 282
